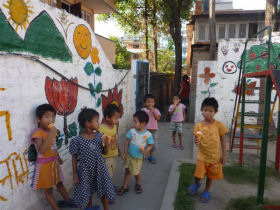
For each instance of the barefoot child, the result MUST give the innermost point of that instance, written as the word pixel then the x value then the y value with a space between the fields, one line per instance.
pixel 111 116
pixel 209 135
pixel 134 149
pixel 178 116
pixel 152 126
pixel 89 170
pixel 47 170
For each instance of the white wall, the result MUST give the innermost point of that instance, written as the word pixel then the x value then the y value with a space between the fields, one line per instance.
pixel 22 89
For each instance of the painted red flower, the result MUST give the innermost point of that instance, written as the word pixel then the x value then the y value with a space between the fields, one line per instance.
pixel 63 97
pixel 114 97
pixel 249 92
pixel 207 75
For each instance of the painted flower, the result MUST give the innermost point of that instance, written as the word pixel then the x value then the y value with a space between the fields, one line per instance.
pixel 63 97
pixel 249 92
pixel 94 56
pixel 207 75
pixel 114 97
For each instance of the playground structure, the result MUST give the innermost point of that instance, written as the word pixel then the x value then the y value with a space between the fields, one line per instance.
pixel 266 71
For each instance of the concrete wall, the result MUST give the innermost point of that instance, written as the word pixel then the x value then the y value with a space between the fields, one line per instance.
pixel 108 46
pixel 219 79
pixel 41 58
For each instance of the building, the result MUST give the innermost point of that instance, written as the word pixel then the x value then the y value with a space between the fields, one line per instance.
pixel 135 44
pixel 230 23
pixel 86 9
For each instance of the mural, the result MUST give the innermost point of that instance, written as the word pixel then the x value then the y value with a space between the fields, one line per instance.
pixel 236 47
pixel 257 57
pixel 229 67
pixel 250 85
pixel 82 41
pixel 207 75
pixel 7 115
pixel 224 50
pixel 63 21
pixel 63 97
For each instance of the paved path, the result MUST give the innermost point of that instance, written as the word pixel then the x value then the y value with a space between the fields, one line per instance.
pixel 154 177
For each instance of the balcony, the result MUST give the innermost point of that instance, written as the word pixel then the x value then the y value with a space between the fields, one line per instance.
pixel 100 6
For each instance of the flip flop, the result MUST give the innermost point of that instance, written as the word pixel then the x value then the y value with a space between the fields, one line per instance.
pixel 174 145
pixel 181 147
pixel 152 160
pixel 193 189
pixel 205 197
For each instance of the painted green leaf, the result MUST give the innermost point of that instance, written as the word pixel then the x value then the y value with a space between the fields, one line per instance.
pixel 204 92
pixel 59 140
pixel 89 68
pixel 72 130
pixel 213 84
pixel 92 91
pixel 98 102
pixel 98 71
pixel 98 87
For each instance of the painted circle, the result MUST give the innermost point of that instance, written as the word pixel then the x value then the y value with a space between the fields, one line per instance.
pixel 18 11
pixel 82 41
pixel 229 67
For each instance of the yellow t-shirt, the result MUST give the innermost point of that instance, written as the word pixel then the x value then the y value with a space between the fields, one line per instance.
pixel 209 150
pixel 113 149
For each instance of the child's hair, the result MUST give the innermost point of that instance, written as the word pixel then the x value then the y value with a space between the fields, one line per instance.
pixel 210 102
pixel 175 95
pixel 86 115
pixel 142 116
pixel 110 110
pixel 147 96
pixel 43 108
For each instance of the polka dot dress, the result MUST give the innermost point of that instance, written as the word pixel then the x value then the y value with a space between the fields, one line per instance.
pixel 92 172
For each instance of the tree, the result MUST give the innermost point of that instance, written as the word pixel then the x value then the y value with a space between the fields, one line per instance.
pixel 123 57
pixel 172 13
pixel 272 15
pixel 212 27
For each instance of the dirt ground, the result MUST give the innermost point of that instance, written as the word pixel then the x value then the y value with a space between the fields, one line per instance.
pixel 222 191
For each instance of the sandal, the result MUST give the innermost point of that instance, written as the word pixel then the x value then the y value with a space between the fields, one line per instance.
pixel 138 189
pixel 175 145
pixel 193 189
pixel 181 147
pixel 205 197
pixel 122 191
pixel 152 160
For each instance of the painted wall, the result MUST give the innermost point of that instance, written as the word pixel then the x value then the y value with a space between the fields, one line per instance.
pixel 219 78
pixel 49 56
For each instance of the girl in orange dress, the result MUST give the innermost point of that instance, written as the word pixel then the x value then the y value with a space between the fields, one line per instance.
pixel 47 171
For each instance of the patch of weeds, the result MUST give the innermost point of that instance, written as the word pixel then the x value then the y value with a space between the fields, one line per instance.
pixel 270 172
pixel 249 203
pixel 183 201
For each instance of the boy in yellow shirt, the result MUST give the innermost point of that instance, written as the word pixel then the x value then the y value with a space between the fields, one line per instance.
pixel 109 127
pixel 209 135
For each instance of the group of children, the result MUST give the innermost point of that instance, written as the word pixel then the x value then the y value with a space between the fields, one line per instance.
pixel 94 152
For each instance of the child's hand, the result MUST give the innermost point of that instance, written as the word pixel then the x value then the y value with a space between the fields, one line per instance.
pixel 119 152
pixel 60 161
pixel 76 178
pixel 124 156
pixel 196 141
pixel 223 159
pixel 144 153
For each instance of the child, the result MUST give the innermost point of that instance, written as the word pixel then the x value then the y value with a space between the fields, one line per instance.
pixel 209 134
pixel 178 116
pixel 89 170
pixel 152 126
pixel 47 170
pixel 111 116
pixel 137 139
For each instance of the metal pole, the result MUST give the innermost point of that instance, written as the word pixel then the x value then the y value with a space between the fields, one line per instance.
pixel 266 113
pixel 242 121
pixel 277 156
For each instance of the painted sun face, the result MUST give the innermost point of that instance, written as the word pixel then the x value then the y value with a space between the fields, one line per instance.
pixel 82 41
pixel 229 67
pixel 19 12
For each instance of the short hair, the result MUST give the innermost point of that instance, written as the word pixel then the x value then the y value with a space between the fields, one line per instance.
pixel 185 78
pixel 147 96
pixel 86 115
pixel 43 108
pixel 142 116
pixel 175 95
pixel 110 110
pixel 210 102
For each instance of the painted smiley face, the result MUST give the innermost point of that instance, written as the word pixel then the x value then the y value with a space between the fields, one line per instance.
pixel 82 41
pixel 229 67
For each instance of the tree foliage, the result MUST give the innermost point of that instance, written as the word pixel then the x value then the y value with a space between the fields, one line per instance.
pixel 123 57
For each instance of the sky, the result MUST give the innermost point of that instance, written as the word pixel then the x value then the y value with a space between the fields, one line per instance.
pixel 112 28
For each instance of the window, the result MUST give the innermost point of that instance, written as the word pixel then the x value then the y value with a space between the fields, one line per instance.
pixel 222 31
pixel 65 6
pixel 242 30
pixel 231 30
pixel 201 32
pixel 86 16
pixel 253 29
pixel 136 46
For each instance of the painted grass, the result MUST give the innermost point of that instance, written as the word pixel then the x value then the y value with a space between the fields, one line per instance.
pixel 183 201
pixel 247 174
pixel 249 203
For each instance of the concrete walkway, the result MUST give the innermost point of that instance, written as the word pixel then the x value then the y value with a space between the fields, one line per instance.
pixel 154 177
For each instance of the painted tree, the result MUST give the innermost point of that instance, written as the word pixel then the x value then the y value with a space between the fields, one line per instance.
pixel 173 12
pixel 272 17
